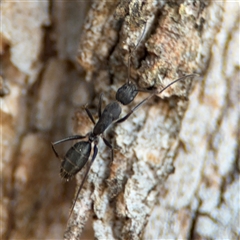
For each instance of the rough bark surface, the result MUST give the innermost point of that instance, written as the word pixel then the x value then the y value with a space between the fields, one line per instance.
pixel 176 165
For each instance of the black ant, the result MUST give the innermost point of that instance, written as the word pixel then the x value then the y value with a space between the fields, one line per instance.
pixel 78 155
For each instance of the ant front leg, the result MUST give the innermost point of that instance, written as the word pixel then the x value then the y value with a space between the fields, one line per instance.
pixel 90 115
pixel 99 110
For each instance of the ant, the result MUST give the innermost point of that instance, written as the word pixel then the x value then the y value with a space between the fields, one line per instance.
pixel 77 156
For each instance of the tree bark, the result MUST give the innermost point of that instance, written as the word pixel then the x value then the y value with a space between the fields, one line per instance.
pixel 175 172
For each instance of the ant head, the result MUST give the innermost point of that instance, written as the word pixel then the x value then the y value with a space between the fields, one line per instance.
pixel 126 93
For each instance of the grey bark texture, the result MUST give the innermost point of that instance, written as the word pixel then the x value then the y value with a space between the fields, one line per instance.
pixel 175 172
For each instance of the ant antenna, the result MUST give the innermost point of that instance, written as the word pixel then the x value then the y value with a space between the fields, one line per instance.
pixel 179 79
pixel 128 91
pixel 131 51
pixel 153 93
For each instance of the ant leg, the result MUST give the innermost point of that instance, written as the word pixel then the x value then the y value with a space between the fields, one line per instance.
pixel 95 152
pixel 110 146
pixel 90 115
pixel 75 137
pixel 99 110
pixel 100 106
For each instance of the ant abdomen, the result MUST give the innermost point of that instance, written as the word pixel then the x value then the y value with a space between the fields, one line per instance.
pixel 75 159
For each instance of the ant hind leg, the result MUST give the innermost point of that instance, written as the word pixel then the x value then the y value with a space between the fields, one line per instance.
pixel 95 152
pixel 75 137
